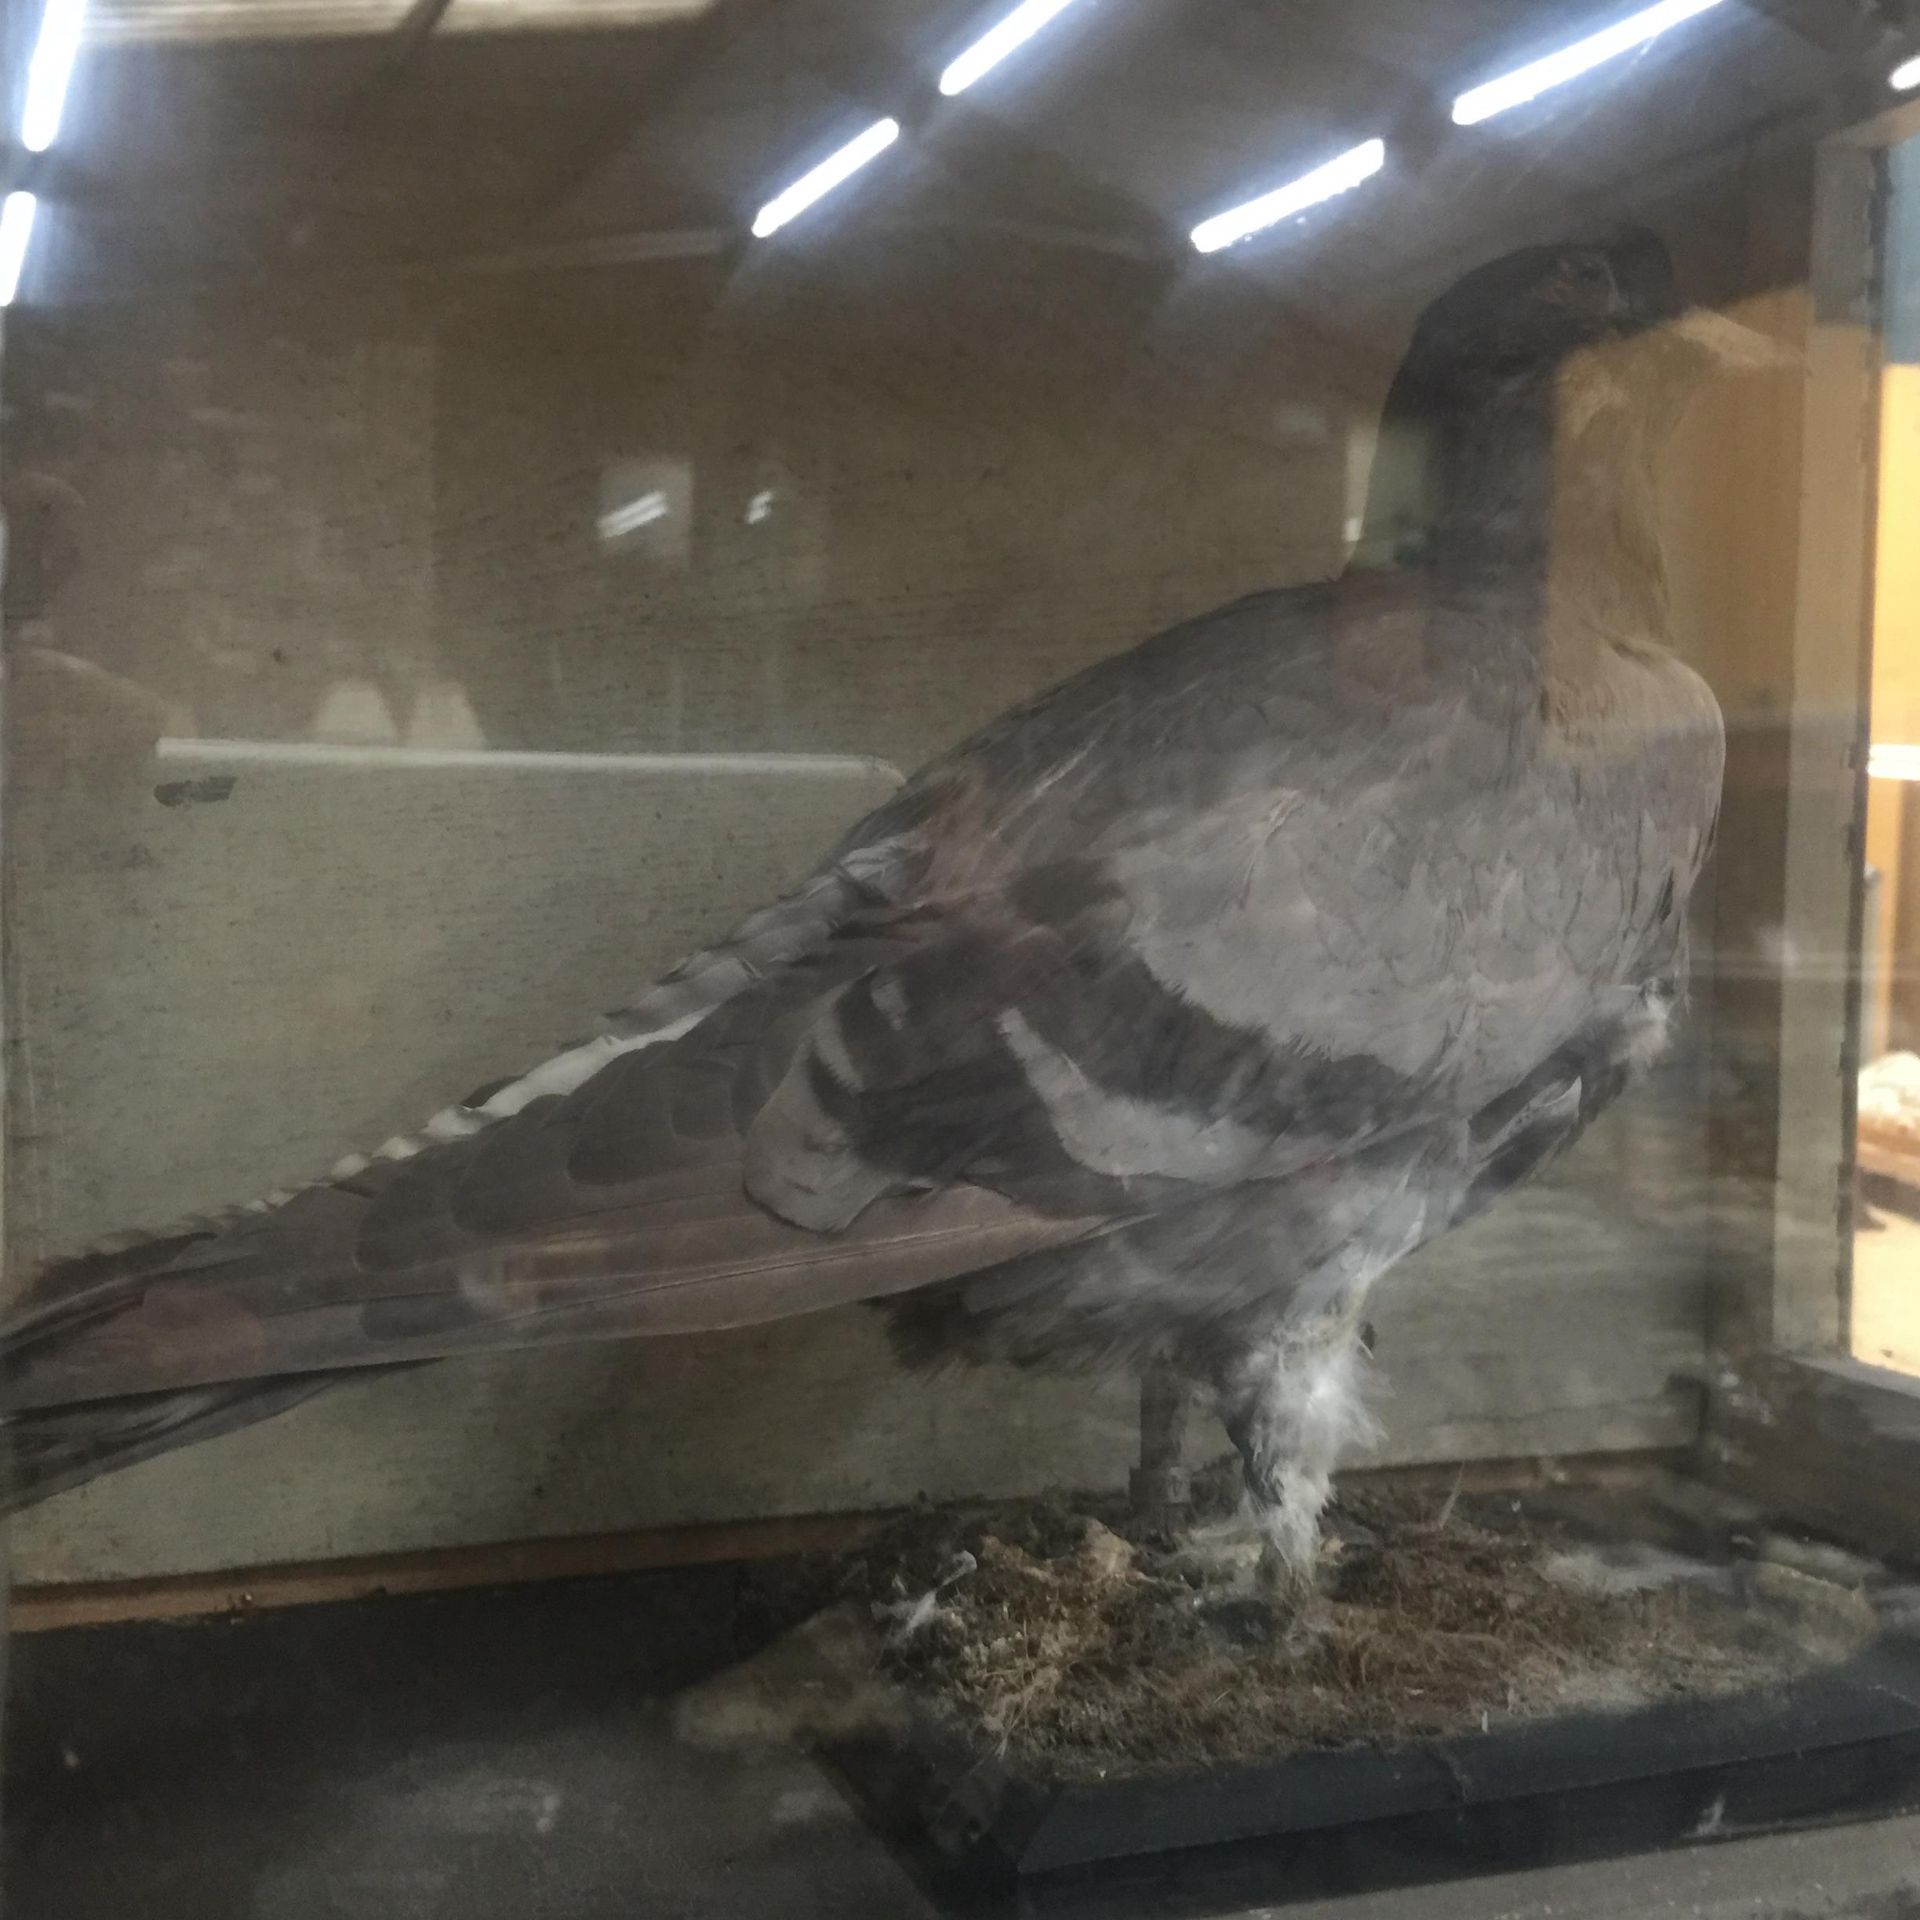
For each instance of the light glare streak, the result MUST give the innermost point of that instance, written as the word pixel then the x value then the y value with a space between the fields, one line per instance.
pixel 1556 69
pixel 16 229
pixel 49 71
pixel 1323 183
pixel 819 181
pixel 999 40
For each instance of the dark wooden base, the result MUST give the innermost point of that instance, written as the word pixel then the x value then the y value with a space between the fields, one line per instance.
pixel 1843 1745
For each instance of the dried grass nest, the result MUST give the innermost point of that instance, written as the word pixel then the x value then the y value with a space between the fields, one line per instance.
pixel 1082 1644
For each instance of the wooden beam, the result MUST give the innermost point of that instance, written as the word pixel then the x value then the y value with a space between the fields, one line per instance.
pixel 1799 1305
pixel 1830 1444
pixel 93 1603
pixel 52 1607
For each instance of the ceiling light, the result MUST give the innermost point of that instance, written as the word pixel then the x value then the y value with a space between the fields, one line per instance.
pixel 48 72
pixel 16 229
pixel 821 180
pixel 998 41
pixel 1556 69
pixel 1906 76
pixel 1357 164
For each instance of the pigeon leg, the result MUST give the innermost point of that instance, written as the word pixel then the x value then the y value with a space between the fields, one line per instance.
pixel 1161 1487
pixel 1292 1407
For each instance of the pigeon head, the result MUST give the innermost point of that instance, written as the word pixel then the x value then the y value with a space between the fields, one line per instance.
pixel 1511 325
pixel 1539 383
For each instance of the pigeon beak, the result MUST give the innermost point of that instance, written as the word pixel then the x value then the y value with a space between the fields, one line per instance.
pixel 1728 347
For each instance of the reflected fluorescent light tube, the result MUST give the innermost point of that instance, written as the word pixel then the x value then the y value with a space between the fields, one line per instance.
pixel 819 181
pixel 1556 69
pixel 1893 761
pixel 617 522
pixel 1323 183
pixel 49 71
pixel 1906 76
pixel 16 229
pixel 998 41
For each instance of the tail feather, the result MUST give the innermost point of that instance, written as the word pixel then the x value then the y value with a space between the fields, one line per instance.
pixel 244 1313
pixel 151 1356
pixel 54 1449
pixel 144 1345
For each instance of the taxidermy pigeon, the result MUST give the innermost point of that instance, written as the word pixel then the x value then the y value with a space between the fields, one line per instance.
pixel 1150 1026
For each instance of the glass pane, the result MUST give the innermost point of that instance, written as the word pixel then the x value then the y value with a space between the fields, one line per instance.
pixel 1887 1237
pixel 924 926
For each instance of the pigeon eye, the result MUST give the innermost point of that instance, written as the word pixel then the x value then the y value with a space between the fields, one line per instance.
pixel 1586 281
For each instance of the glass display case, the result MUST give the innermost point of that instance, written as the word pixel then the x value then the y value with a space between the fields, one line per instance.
pixel 503 500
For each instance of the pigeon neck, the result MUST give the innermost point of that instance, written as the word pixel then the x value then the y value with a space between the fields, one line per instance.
pixel 1550 516
pixel 1465 490
pixel 1607 585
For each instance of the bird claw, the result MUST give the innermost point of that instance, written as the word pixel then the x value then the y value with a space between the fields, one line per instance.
pixel 1282 1577
pixel 1244 1557
pixel 1292 1592
pixel 1248 1588
pixel 1298 1614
